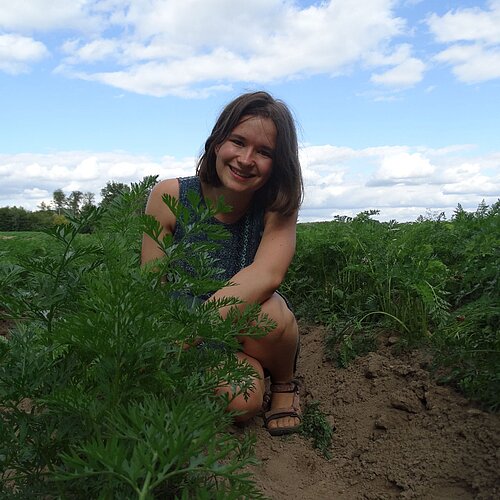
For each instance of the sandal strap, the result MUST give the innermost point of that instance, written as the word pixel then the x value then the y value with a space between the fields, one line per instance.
pixel 292 386
pixel 281 413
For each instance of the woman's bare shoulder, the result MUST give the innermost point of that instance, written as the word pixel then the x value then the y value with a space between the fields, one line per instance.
pixel 156 205
pixel 167 186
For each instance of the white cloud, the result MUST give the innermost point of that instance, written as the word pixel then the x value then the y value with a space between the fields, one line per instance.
pixel 29 179
pixel 193 48
pixel 41 15
pixel 469 24
pixel 400 181
pixel 35 193
pixel 18 52
pixel 94 51
pixel 474 38
pixel 408 73
pixel 181 48
pixel 406 70
pixel 472 63
pixel 402 168
pixel 468 178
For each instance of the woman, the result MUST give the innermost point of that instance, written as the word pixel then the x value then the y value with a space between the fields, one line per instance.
pixel 251 159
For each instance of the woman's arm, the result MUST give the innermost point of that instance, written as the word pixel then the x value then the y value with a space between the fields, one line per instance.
pixel 253 284
pixel 157 208
pixel 257 282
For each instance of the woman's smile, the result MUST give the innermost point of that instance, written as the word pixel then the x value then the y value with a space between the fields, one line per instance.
pixel 240 173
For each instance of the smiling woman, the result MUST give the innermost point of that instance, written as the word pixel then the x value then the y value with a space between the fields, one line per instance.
pixel 250 159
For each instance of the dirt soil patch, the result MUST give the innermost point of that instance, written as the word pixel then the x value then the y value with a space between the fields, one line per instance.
pixel 399 434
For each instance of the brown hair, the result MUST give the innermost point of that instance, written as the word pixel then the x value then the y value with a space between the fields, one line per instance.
pixel 283 192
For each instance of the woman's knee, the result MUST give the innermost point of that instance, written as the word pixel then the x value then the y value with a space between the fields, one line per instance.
pixel 278 311
pixel 248 404
pixel 246 408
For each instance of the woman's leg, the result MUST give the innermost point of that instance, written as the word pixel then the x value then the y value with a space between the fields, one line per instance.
pixel 250 405
pixel 276 352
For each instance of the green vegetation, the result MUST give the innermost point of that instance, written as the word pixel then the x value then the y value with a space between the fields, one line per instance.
pixel 315 426
pixel 100 400
pixel 433 282
pixel 23 244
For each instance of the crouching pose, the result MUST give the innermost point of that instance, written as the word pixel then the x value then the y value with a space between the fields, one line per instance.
pixel 251 158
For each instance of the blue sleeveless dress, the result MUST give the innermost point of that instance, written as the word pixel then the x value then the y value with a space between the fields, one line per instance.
pixel 239 250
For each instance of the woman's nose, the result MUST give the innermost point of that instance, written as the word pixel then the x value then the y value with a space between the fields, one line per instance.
pixel 246 156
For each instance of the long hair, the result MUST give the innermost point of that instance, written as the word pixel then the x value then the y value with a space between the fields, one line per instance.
pixel 284 191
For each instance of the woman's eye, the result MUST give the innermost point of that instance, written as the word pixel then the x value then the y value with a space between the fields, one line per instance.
pixel 266 153
pixel 237 142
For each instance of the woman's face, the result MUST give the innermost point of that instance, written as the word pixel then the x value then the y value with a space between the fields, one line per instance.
pixel 244 161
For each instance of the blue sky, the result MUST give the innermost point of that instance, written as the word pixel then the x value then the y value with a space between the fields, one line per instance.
pixel 397 101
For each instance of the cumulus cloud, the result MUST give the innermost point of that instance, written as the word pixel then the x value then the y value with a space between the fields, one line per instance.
pixel 472 63
pixel 29 179
pixel 18 52
pixel 405 74
pixel 41 15
pixel 35 193
pixel 468 24
pixel 401 181
pixel 182 48
pixel 193 49
pixel 473 35
pixel 402 168
pixel 406 70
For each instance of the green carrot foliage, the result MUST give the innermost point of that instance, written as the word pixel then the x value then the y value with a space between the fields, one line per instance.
pixel 99 399
pixel 431 283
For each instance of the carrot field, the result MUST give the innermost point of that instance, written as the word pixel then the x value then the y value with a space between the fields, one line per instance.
pixel 99 399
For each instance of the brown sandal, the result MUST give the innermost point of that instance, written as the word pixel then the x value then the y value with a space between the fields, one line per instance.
pixel 291 411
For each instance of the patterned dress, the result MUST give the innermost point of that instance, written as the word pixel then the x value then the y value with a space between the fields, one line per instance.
pixel 239 250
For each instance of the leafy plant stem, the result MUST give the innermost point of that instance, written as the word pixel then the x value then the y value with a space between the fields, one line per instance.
pixel 385 314
pixel 64 258
pixel 145 488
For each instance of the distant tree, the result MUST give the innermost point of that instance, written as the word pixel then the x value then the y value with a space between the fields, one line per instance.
pixel 495 208
pixel 111 190
pixel 459 214
pixel 44 207
pixel 88 199
pixel 59 200
pixel 73 201
pixel 15 219
pixel 482 210
pixel 42 219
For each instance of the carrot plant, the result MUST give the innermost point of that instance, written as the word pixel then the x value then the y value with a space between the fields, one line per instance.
pixel 365 271
pixel 98 397
pixel 432 282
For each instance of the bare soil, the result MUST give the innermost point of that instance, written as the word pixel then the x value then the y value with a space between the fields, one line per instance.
pixel 399 434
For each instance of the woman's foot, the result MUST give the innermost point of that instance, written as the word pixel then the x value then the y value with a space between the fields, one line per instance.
pixel 285 415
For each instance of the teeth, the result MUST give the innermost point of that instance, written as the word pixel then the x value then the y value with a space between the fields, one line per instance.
pixel 241 174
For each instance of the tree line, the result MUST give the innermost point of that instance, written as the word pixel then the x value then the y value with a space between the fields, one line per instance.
pixel 48 214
